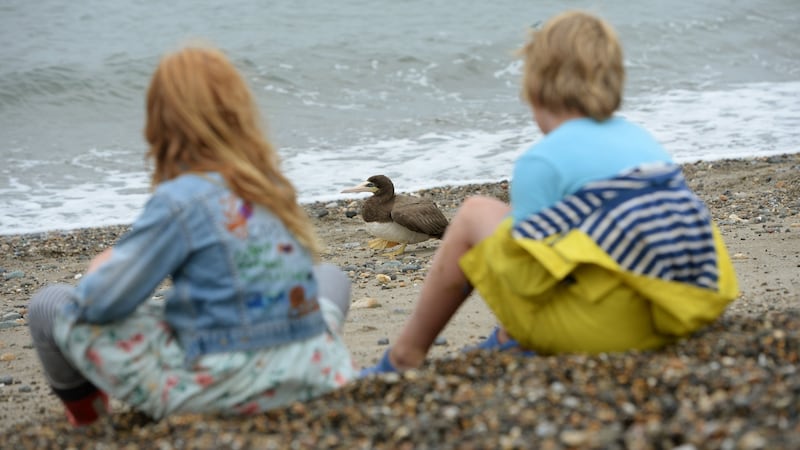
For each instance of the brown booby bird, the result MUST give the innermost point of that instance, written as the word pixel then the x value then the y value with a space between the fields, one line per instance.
pixel 398 219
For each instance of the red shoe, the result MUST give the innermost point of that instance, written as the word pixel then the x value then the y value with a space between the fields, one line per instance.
pixel 88 409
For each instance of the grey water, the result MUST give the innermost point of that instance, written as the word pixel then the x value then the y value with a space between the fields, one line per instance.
pixel 426 92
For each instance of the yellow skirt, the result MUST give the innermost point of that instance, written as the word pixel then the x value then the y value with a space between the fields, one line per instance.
pixel 565 294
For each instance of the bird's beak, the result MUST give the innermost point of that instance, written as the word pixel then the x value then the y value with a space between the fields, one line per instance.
pixel 363 187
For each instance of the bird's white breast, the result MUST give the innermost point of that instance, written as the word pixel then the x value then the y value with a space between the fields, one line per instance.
pixel 395 233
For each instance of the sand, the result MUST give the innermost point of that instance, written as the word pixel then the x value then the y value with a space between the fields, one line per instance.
pixel 756 203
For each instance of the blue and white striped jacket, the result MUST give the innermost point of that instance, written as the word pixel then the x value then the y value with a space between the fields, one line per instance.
pixel 646 219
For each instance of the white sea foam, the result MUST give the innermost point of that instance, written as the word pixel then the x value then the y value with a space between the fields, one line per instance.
pixel 747 120
pixel 424 161
pixel 97 187
pixel 116 200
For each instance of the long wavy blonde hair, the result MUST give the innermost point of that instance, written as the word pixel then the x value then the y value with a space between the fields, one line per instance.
pixel 201 117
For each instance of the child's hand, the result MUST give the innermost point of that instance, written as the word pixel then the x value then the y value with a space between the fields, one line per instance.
pixel 98 260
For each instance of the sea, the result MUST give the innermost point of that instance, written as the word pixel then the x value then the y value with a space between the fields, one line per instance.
pixel 426 92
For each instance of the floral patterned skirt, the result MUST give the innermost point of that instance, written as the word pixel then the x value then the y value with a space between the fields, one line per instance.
pixel 138 361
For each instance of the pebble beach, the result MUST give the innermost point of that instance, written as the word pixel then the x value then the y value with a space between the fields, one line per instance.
pixel 732 385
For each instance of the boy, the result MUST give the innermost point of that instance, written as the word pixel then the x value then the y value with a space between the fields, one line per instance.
pixel 603 246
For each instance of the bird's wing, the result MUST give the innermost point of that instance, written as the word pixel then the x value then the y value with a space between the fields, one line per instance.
pixel 419 215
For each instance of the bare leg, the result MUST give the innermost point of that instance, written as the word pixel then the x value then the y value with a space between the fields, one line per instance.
pixel 446 287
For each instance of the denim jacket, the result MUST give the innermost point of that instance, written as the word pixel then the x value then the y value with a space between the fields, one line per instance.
pixel 240 280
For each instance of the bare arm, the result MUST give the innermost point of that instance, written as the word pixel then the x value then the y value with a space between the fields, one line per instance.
pixel 98 260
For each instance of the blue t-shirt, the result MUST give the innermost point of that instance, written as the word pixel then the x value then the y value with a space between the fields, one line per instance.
pixel 575 153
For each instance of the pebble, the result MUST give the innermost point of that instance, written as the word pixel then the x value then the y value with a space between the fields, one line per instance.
pixel 11 319
pixel 734 385
pixel 367 302
pixel 11 316
pixel 674 398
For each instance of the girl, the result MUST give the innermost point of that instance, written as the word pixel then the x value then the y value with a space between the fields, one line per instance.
pixel 250 322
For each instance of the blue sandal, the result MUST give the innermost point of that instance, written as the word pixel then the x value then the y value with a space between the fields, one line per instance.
pixel 383 366
pixel 493 343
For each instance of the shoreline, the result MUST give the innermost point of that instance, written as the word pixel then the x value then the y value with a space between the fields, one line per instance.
pixel 345 198
pixel 755 202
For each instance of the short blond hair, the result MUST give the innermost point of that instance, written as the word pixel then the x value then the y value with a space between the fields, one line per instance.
pixel 201 116
pixel 574 63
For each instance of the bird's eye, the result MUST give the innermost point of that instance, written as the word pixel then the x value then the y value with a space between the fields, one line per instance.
pixel 371 185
